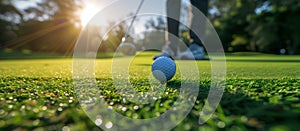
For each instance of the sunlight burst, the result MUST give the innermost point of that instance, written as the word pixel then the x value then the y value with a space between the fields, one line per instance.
pixel 87 13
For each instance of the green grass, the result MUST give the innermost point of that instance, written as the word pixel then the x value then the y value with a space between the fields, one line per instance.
pixel 262 93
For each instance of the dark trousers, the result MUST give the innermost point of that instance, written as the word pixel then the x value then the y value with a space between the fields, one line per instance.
pixel 173 10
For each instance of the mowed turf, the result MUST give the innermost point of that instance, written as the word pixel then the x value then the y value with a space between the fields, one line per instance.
pixel 262 93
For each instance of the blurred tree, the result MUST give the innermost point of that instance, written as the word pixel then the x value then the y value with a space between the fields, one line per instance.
pixel 51 27
pixel 63 10
pixel 243 25
pixel 113 37
pixel 257 25
pixel 156 23
pixel 154 35
pixel 10 17
pixel 90 40
pixel 230 21
pixel 276 28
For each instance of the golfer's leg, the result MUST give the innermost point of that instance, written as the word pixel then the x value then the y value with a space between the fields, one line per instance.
pixel 197 24
pixel 173 13
pixel 197 31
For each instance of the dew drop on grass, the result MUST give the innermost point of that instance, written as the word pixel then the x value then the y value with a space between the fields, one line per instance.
pixel 23 107
pixel 59 109
pixel 244 118
pixel 124 100
pixel 132 96
pixel 98 122
pixel 109 108
pixel 154 98
pixel 221 124
pixel 111 103
pixel 187 127
pixel 36 122
pixel 157 114
pixel 136 107
pixel 10 106
pixel 135 116
pixel 13 114
pixel 65 128
pixel 109 125
pixel 44 108
pixel 35 110
pixel 124 109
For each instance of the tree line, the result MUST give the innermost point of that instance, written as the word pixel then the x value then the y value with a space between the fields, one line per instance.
pixel 269 26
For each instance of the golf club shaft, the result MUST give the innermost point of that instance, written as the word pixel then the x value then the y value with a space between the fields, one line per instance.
pixel 132 21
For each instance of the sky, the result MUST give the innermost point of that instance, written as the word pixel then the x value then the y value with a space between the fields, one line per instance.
pixel 23 4
pixel 114 12
pixel 120 10
pixel 117 10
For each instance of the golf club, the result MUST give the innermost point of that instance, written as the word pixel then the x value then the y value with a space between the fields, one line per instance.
pixel 132 21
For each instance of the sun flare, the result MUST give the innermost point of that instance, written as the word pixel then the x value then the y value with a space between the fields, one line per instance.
pixel 87 13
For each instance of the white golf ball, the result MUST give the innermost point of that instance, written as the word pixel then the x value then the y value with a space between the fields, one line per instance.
pixel 163 69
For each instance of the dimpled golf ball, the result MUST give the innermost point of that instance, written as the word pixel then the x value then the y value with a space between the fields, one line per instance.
pixel 163 69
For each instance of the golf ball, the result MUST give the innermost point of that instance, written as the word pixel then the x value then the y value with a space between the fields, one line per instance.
pixel 163 69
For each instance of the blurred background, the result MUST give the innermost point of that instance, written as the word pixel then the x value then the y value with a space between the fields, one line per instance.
pixel 52 27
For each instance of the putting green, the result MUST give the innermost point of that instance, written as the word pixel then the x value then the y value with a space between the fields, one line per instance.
pixel 262 93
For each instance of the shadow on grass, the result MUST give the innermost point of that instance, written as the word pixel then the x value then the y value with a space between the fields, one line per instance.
pixel 253 104
pixel 246 104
